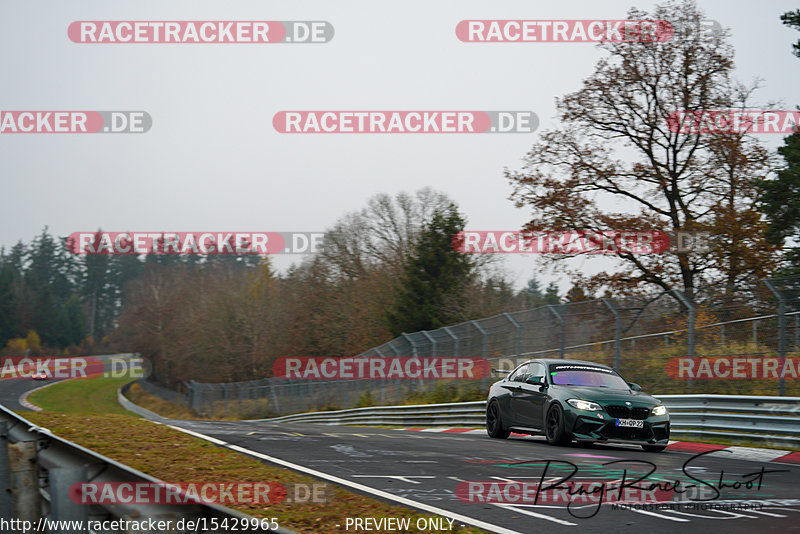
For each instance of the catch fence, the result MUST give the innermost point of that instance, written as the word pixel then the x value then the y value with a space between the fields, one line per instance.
pixel 749 337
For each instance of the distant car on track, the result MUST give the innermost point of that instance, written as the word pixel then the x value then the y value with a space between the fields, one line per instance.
pixel 40 376
pixel 575 400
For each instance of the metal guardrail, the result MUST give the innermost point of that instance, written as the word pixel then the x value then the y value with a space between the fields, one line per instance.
pixel 765 420
pixel 37 469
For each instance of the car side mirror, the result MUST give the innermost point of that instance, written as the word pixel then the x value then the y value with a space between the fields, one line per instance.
pixel 536 380
pixel 634 386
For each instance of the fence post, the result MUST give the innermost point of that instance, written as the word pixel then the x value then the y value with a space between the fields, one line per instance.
pixel 5 473
pixel 563 329
pixel 617 331
pixel 25 496
pixel 433 342
pixel 61 507
pixel 384 384
pixel 415 354
pixel 455 339
pixel 485 350
pixel 689 306
pixel 781 332
pixel 519 333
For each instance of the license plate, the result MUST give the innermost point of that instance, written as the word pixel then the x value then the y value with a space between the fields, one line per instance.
pixel 632 423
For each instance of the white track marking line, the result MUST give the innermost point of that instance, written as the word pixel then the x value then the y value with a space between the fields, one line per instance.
pixel 534 514
pixel 645 512
pixel 765 513
pixel 360 487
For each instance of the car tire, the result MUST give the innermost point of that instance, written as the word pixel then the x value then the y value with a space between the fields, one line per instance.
pixel 554 429
pixel 654 448
pixel 494 423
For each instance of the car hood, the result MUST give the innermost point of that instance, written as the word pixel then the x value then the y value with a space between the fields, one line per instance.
pixel 608 395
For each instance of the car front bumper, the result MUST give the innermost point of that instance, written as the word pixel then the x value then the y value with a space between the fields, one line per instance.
pixel 655 430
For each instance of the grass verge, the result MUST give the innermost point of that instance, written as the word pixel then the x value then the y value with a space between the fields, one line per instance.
pixel 86 412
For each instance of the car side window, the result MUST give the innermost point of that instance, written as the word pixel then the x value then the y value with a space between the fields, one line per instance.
pixel 519 374
pixel 536 370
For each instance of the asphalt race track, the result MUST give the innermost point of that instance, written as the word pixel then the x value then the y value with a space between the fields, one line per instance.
pixel 423 470
pixel 427 467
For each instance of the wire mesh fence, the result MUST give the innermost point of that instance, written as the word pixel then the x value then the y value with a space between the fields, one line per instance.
pixel 743 340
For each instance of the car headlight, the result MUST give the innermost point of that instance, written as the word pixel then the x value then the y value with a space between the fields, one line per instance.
pixel 660 410
pixel 584 405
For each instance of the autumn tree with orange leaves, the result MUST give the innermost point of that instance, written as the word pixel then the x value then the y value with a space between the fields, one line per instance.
pixel 615 163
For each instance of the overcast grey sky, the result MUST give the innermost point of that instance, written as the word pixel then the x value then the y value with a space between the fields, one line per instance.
pixel 212 160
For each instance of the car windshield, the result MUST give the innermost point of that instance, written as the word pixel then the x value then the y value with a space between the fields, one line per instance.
pixel 584 375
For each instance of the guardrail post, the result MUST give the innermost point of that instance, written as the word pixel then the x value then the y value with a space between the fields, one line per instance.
pixel 689 306
pixel 61 506
pixel 781 332
pixel 519 333
pixel 5 473
pixel 617 332
pixel 25 496
pixel 560 320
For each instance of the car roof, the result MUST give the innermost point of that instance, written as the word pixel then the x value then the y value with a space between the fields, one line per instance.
pixel 549 361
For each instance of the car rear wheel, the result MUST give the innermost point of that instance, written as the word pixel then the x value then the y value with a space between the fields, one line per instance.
pixel 494 424
pixel 555 432
pixel 654 448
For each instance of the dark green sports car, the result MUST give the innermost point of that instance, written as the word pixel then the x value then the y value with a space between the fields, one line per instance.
pixel 574 399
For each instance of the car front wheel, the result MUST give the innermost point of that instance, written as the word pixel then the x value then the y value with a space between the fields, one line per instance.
pixel 494 424
pixel 555 432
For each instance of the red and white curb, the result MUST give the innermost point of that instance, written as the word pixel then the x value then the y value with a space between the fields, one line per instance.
pixel 732 452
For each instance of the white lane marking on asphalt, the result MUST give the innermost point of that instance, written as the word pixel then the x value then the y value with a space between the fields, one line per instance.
pixel 398 477
pixel 662 516
pixel 360 487
pixel 534 514
pixel 765 513
pixel 215 441
pixel 749 453
pixel 736 515
pixel 699 516
pixel 420 461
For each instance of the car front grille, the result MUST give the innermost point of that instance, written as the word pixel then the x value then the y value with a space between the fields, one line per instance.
pixel 618 432
pixel 624 412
